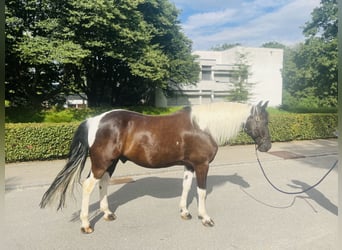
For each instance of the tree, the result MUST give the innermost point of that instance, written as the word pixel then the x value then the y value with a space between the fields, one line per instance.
pixel 241 87
pixel 225 46
pixel 115 51
pixel 310 69
pixel 323 23
pixel 37 59
pixel 119 41
pixel 274 45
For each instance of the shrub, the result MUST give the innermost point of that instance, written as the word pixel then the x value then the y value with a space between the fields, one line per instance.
pixel 26 142
pixel 62 115
pixel 289 127
pixel 23 114
pixel 34 141
pixel 308 103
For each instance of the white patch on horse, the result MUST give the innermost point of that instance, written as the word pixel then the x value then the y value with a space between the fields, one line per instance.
pixel 202 212
pixel 187 181
pixel 87 187
pixel 103 186
pixel 223 120
pixel 93 125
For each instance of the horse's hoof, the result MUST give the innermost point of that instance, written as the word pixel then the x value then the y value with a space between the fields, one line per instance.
pixel 110 217
pixel 186 216
pixel 208 223
pixel 87 230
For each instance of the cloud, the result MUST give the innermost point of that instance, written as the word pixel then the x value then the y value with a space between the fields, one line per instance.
pixel 209 19
pixel 205 5
pixel 248 22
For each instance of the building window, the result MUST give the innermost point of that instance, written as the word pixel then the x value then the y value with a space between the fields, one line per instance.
pixel 206 72
pixel 222 76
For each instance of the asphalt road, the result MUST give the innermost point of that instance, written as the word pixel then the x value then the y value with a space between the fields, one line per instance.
pixel 248 213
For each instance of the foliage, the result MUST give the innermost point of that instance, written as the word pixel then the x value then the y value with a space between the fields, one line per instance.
pixel 274 45
pixel 32 141
pixel 61 115
pixel 310 68
pixel 308 103
pixel 25 142
pixel 115 51
pixel 23 114
pixel 39 52
pixel 288 127
pixel 225 46
pixel 323 21
pixel 240 91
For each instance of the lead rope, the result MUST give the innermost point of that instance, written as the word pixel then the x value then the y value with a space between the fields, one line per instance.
pixel 285 192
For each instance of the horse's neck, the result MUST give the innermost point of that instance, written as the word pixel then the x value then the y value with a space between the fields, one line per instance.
pixel 222 120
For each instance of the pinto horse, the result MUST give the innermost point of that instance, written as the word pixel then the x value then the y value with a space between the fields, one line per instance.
pixel 188 137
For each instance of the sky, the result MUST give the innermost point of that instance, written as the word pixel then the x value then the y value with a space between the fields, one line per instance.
pixel 209 23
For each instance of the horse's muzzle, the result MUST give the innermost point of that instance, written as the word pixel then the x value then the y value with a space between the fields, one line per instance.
pixel 264 146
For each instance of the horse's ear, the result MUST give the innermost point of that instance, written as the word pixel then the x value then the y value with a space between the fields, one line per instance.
pixel 259 104
pixel 265 105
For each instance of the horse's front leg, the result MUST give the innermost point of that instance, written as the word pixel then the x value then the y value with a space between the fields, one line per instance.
pixel 103 186
pixel 201 176
pixel 87 189
pixel 187 181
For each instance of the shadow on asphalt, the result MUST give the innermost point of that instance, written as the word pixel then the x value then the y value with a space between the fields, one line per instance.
pixel 316 196
pixel 313 194
pixel 157 187
pixel 10 183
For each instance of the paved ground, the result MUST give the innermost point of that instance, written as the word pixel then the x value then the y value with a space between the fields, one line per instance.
pixel 248 213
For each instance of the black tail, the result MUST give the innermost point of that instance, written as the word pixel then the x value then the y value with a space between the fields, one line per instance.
pixel 71 172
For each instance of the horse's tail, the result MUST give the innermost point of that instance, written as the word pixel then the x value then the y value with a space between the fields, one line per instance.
pixel 71 173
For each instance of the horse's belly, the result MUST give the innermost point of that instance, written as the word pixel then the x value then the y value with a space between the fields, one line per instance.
pixel 155 156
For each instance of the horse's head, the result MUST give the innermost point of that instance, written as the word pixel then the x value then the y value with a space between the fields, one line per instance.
pixel 257 127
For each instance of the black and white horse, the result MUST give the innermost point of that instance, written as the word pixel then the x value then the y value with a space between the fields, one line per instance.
pixel 188 137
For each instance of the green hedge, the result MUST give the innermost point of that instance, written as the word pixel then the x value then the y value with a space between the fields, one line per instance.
pixel 289 127
pixel 56 115
pixel 34 141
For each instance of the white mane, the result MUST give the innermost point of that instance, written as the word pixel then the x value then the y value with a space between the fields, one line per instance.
pixel 222 120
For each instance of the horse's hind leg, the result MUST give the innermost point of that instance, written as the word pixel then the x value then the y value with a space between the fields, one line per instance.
pixel 187 181
pixel 201 176
pixel 87 188
pixel 103 186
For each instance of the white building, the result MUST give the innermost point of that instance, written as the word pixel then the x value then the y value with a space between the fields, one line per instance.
pixel 265 66
pixel 76 101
